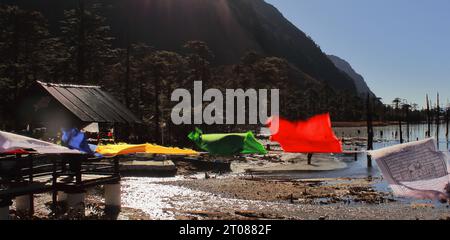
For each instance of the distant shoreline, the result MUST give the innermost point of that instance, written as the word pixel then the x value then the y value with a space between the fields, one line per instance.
pixel 362 124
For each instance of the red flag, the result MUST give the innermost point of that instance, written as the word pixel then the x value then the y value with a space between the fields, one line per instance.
pixel 312 136
pixel 15 151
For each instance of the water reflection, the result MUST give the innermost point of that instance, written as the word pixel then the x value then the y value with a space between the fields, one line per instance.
pixel 160 201
pixel 391 134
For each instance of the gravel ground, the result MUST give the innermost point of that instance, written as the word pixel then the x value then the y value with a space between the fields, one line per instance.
pixel 327 199
pixel 95 210
pixel 246 197
pixel 314 199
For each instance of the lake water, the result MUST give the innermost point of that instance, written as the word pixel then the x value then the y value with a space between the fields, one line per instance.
pixel 391 133
pixel 384 136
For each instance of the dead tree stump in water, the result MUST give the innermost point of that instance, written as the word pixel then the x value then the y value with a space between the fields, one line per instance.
pixel 407 106
pixel 369 131
pixel 400 128
pixel 438 120
pixel 428 133
pixel 446 122
pixel 309 158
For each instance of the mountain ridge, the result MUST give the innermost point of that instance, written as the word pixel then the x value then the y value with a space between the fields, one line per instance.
pixel 229 27
pixel 346 67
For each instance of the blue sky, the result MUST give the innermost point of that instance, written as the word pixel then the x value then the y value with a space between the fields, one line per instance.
pixel 401 47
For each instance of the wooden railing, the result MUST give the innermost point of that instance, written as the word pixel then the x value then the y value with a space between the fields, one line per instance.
pixel 20 171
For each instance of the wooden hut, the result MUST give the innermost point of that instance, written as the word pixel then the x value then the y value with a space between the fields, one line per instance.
pixel 55 106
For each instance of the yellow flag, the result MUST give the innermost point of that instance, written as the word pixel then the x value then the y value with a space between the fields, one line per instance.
pixel 124 149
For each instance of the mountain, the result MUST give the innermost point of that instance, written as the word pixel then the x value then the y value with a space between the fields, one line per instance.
pixel 360 83
pixel 229 27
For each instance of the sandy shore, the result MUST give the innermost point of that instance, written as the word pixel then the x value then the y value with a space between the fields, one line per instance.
pixel 287 162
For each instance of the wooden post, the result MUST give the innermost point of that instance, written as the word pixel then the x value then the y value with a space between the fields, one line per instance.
pixel 112 198
pixel 116 166
pixel 438 120
pixel 407 122
pixel 4 208
pixel 62 197
pixel 78 162
pixel 30 176
pixel 400 123
pixel 76 201
pixel 23 204
pixel 369 131
pixel 309 158
pixel 446 121
pixel 54 183
pixel 428 134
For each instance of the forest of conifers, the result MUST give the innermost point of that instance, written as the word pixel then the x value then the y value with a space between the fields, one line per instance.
pixel 143 77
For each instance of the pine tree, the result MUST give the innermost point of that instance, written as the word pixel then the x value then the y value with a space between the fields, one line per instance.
pixel 23 36
pixel 88 41
pixel 199 57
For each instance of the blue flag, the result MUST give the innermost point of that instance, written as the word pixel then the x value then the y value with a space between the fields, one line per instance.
pixel 74 139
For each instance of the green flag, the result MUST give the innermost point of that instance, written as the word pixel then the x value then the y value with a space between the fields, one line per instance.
pixel 227 144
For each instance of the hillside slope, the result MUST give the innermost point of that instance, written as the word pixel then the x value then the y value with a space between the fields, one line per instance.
pixel 360 83
pixel 230 28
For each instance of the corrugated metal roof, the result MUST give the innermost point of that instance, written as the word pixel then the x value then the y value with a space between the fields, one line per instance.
pixel 90 103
